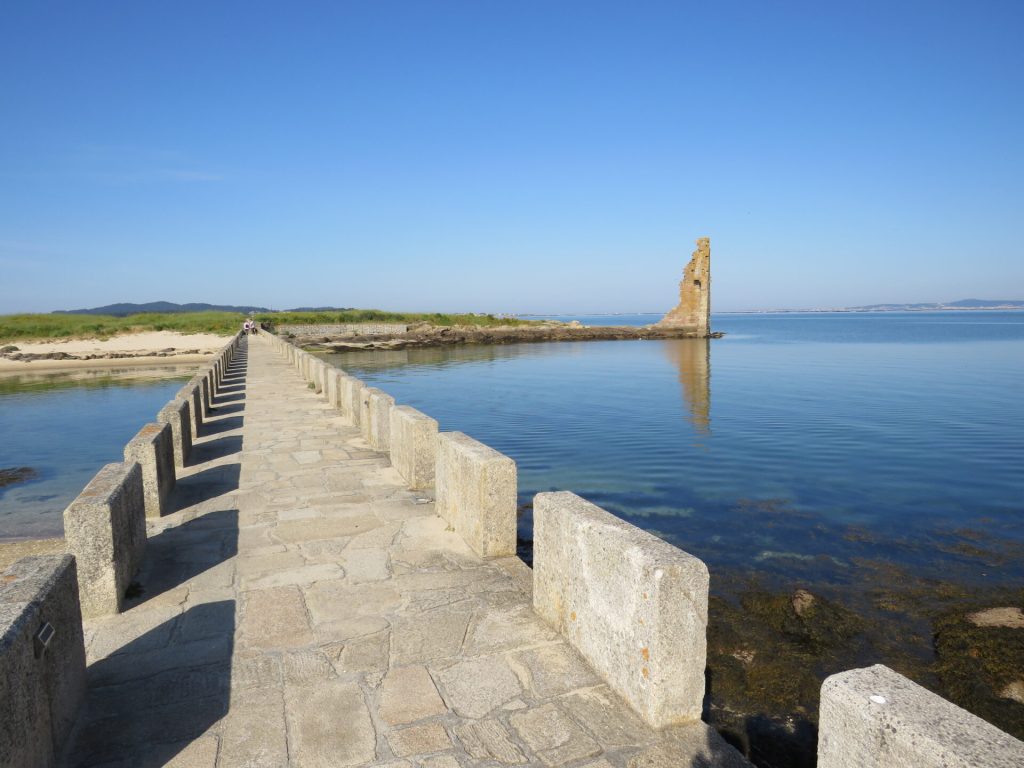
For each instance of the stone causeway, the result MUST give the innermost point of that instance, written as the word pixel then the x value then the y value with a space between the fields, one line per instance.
pixel 301 607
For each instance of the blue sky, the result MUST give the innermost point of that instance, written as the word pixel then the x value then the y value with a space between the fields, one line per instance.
pixel 509 156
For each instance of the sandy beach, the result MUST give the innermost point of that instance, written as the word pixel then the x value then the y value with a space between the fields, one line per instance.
pixel 134 349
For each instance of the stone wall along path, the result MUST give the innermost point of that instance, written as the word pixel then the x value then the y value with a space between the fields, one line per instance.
pixel 301 607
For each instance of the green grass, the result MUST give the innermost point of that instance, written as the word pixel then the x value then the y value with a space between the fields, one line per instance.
pixel 55 326
pixel 42 327
pixel 379 316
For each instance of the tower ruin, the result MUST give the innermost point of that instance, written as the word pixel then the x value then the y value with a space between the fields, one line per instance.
pixel 694 307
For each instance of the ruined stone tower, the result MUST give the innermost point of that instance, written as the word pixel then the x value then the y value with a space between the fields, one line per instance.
pixel 694 307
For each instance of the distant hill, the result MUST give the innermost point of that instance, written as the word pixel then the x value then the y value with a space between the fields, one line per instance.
pixel 169 307
pixel 934 306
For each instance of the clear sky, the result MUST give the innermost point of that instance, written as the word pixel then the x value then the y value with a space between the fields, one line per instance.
pixel 519 156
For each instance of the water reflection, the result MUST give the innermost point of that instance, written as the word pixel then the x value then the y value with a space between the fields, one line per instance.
pixel 693 359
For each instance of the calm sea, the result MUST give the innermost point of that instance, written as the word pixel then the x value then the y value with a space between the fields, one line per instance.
pixel 791 449
pixel 65 426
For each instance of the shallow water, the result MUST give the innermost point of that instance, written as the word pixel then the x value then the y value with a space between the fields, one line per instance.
pixel 66 426
pixel 792 447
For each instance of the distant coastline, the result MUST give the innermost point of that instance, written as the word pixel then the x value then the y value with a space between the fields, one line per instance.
pixel 964 305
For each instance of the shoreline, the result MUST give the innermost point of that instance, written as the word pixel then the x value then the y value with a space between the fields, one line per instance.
pixel 130 350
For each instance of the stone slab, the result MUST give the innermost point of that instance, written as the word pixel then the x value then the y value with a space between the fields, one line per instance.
pixel 413 446
pixel 874 717
pixel 177 414
pixel 105 529
pixel 153 448
pixel 634 606
pixel 476 491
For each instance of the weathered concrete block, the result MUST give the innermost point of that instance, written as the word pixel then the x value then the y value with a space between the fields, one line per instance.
pixel 176 413
pixel 352 400
pixel 152 447
pixel 105 529
pixel 476 493
pixel 875 717
pixel 211 385
pixel 333 388
pixel 207 396
pixel 375 418
pixel 634 606
pixel 413 446
pixel 192 392
pixel 319 375
pixel 42 684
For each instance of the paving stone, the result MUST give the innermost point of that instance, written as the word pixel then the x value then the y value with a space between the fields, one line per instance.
pixel 606 716
pixel 488 740
pixel 506 629
pixel 274 618
pixel 420 739
pixel 476 687
pixel 440 761
pixel 303 575
pixel 407 694
pixel 553 736
pixel 427 636
pixel 201 753
pixel 362 565
pixel 254 732
pixel 697 744
pixel 308 530
pixel 553 670
pixel 330 600
pixel 306 667
pixel 329 725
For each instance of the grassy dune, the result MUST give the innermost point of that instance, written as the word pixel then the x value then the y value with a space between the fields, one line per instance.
pixel 379 316
pixel 45 326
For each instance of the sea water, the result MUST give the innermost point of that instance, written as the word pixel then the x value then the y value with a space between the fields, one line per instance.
pixel 795 443
pixel 65 427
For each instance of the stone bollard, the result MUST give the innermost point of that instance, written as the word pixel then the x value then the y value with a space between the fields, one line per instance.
pixel 42 659
pixel 476 493
pixel 375 418
pixel 875 717
pixel 192 392
pixel 634 606
pixel 105 529
pixel 333 389
pixel 352 400
pixel 319 376
pixel 207 396
pixel 413 443
pixel 176 413
pixel 211 385
pixel 152 448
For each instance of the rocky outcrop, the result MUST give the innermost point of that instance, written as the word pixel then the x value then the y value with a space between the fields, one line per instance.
pixel 693 311
pixel 442 336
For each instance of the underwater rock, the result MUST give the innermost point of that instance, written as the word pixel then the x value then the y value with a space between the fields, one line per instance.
pixel 13 475
pixel 979 658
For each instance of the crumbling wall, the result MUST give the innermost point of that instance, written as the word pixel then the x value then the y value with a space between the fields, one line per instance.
pixel 694 307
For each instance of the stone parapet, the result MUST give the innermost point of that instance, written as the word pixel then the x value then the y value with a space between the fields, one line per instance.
pixel 177 414
pixel 331 387
pixel 874 717
pixel 42 659
pixel 105 529
pixel 375 418
pixel 152 447
pixel 476 491
pixel 193 393
pixel 635 607
pixel 413 442
pixel 352 400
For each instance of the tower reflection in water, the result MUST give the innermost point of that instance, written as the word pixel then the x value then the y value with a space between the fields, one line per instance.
pixel 692 357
